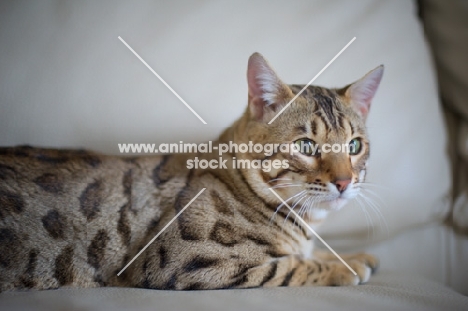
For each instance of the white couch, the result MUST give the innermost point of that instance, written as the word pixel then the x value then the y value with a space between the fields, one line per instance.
pixel 67 81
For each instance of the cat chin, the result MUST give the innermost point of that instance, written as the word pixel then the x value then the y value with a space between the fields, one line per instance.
pixel 332 205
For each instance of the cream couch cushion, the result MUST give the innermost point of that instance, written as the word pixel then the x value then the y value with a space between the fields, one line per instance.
pixel 387 291
pixel 67 81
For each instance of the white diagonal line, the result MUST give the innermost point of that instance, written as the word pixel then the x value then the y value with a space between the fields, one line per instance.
pixel 313 79
pixel 313 231
pixel 162 80
pixel 162 230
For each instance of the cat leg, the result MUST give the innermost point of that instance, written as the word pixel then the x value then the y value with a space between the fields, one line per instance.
pixel 368 259
pixel 298 271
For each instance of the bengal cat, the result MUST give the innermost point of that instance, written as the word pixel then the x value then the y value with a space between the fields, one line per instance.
pixel 75 218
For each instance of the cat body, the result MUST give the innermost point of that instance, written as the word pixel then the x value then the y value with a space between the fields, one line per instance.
pixel 76 218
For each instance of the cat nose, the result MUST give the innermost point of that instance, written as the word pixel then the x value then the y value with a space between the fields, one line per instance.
pixel 342 184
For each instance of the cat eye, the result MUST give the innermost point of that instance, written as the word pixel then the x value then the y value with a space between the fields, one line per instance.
pixel 305 146
pixel 355 146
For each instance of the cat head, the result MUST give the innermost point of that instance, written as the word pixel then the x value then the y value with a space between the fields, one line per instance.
pixel 318 120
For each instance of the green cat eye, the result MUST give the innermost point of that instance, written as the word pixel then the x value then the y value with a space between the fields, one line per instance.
pixel 305 146
pixel 355 146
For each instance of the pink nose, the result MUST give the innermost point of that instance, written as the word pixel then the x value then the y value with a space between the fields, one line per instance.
pixel 342 184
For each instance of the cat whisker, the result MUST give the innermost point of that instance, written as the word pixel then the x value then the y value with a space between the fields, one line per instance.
pixel 310 198
pixel 367 217
pixel 304 207
pixel 290 210
pixel 373 204
pixel 285 201
pixel 308 205
pixel 294 206
pixel 366 184
pixel 375 195
pixel 312 203
pixel 370 203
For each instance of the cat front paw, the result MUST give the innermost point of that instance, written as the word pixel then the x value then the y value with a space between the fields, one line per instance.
pixel 369 260
pixel 363 264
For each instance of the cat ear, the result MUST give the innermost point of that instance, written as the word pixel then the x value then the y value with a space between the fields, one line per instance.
pixel 266 91
pixel 360 93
